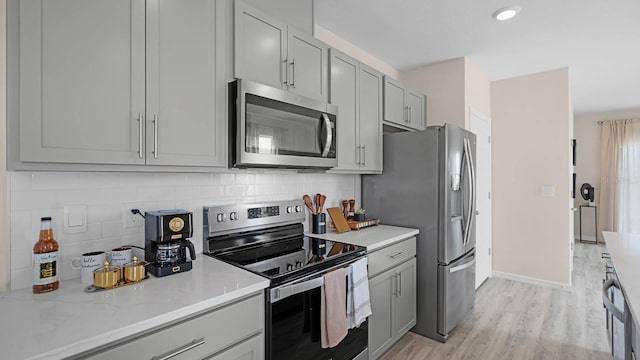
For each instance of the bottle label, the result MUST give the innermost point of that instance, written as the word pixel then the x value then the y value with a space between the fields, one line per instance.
pixel 45 268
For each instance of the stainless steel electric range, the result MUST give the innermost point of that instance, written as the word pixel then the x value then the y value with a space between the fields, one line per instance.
pixel 268 239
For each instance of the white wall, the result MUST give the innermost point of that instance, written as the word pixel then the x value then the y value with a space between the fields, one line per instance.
pixel 587 133
pixel 477 91
pixel 531 117
pixel 444 84
pixel 108 195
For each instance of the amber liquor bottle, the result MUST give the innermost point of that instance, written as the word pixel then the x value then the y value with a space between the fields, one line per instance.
pixel 45 259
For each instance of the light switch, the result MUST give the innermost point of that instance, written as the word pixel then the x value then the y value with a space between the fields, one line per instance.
pixel 75 219
pixel 547 190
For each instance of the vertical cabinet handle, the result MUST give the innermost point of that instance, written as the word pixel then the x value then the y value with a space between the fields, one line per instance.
pixel 406 110
pixel 284 73
pixel 410 114
pixel 155 136
pixel 364 155
pixel 140 134
pixel 293 73
pixel 399 284
pixel 358 151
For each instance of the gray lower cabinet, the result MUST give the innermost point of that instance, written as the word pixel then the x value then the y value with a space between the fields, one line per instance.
pixel 392 288
pixel 403 106
pixel 357 91
pixel 271 52
pixel 117 82
pixel 233 332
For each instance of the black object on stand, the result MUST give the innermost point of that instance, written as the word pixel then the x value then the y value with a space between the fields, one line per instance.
pixel 166 234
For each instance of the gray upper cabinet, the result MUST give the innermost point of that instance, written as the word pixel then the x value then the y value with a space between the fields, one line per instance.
pixel 186 87
pixel 403 106
pixel 357 91
pixel 370 119
pixel 120 82
pixel 416 108
pixel 81 81
pixel 273 53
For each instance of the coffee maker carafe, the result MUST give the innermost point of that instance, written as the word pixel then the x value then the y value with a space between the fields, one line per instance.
pixel 166 240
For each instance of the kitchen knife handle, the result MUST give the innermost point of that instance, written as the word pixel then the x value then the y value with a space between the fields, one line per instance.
pixel 155 136
pixel 140 134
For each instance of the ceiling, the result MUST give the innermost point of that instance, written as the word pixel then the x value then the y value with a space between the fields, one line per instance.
pixel 598 40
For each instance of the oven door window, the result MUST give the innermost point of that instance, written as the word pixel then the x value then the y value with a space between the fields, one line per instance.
pixel 294 327
pixel 277 128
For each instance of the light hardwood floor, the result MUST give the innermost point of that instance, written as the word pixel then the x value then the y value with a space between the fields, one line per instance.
pixel 514 320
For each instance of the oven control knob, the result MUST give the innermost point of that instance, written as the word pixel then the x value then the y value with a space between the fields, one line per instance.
pixel 289 209
pixel 298 208
pixel 233 216
pixel 222 217
pixel 290 267
pixel 298 264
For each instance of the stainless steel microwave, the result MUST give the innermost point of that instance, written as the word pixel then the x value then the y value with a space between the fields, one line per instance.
pixel 273 128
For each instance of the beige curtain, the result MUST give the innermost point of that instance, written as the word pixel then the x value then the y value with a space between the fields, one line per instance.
pixel 618 138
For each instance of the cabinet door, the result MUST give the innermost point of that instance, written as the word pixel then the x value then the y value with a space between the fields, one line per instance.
pixel 307 60
pixel 381 321
pixel 185 83
pixel 394 106
pixel 344 94
pixel 405 300
pixel 82 81
pixel 252 349
pixel 260 47
pixel 416 105
pixel 370 116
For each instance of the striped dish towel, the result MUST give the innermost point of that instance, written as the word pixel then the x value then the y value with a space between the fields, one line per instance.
pixel 359 286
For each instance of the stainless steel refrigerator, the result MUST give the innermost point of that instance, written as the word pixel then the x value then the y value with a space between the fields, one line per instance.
pixel 428 182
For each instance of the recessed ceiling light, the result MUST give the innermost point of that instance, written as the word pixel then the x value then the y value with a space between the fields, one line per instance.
pixel 506 13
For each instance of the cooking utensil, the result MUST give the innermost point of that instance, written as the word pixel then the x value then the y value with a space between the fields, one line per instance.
pixel 135 271
pixel 318 203
pixel 345 208
pixel 352 206
pixel 307 201
pixel 322 200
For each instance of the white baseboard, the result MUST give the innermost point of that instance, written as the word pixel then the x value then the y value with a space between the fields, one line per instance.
pixel 529 280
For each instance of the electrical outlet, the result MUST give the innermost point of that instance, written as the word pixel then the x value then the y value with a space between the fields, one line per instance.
pixel 132 220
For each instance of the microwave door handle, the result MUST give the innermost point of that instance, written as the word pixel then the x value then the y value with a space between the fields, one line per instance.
pixel 329 138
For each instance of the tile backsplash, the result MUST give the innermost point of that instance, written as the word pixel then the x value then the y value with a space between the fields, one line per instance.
pixel 109 196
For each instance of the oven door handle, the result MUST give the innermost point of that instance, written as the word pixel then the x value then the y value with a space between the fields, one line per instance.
pixel 284 292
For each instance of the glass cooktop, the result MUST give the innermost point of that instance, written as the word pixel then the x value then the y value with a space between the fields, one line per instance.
pixel 282 254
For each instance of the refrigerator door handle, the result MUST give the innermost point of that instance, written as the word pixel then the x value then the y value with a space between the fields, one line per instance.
pixel 469 210
pixel 463 266
pixel 473 187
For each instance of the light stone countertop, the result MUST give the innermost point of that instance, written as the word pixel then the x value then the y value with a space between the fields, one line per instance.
pixel 372 237
pixel 69 321
pixel 625 254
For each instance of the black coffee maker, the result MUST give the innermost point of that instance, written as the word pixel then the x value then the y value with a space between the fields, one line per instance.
pixel 166 235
